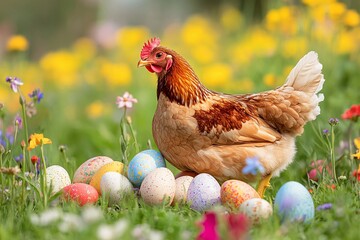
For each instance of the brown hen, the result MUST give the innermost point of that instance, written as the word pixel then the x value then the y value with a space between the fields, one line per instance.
pixel 204 131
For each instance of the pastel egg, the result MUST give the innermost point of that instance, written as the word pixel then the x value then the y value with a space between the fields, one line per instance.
pixel 87 170
pixel 294 203
pixel 235 192
pixel 115 186
pixel 57 178
pixel 81 193
pixel 114 166
pixel 158 186
pixel 256 209
pixel 142 164
pixel 203 192
pixel 182 186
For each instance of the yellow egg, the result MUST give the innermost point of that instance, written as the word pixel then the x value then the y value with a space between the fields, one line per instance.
pixel 110 167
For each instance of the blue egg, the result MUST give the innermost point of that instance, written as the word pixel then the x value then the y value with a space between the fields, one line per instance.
pixel 294 203
pixel 142 164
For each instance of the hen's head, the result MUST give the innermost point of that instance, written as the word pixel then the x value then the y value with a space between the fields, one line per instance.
pixel 155 58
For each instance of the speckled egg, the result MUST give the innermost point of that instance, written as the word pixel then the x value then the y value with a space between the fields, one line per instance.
pixel 256 209
pixel 57 178
pixel 203 192
pixel 182 186
pixel 87 170
pixel 110 167
pixel 294 203
pixel 115 186
pixel 142 164
pixel 235 192
pixel 158 186
pixel 81 193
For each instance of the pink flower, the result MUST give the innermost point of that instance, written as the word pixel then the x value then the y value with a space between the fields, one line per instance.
pixel 126 101
pixel 209 227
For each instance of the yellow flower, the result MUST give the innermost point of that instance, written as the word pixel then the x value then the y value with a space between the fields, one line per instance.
pixel 37 140
pixel 269 79
pixel 17 43
pixel 357 145
pixel 231 18
pixel 198 31
pixel 216 75
pixel 131 37
pixel 295 47
pixel 116 74
pixel 346 43
pixel 203 54
pixel 313 3
pixel 351 18
pixel 282 19
pixel 95 109
pixel 85 48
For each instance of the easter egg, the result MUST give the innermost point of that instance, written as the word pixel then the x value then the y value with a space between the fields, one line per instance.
pixel 203 192
pixel 115 186
pixel 114 166
pixel 294 203
pixel 182 186
pixel 81 193
pixel 256 209
pixel 142 164
pixel 87 170
pixel 158 186
pixel 57 178
pixel 186 173
pixel 235 192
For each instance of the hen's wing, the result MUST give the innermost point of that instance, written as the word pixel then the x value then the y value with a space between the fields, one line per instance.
pixel 229 121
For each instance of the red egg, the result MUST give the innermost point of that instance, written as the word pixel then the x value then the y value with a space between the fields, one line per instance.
pixel 82 193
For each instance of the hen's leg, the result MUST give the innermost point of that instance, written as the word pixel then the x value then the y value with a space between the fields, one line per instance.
pixel 263 185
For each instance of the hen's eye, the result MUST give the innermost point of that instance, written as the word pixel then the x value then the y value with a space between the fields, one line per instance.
pixel 159 54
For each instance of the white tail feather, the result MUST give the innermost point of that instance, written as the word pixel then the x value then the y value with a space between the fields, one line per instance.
pixel 306 77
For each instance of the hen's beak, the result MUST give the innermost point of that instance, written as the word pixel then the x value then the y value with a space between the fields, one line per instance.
pixel 143 63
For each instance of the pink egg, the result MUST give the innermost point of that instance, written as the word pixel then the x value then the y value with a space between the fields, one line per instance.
pixel 87 170
pixel 82 193
pixel 235 192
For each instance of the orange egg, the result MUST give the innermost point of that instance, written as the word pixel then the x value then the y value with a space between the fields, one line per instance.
pixel 235 192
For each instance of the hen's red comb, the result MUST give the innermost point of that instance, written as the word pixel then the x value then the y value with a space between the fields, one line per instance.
pixel 148 47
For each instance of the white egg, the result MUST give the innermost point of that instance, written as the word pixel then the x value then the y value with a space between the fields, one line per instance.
pixel 256 209
pixel 57 178
pixel 203 192
pixel 115 186
pixel 158 186
pixel 182 186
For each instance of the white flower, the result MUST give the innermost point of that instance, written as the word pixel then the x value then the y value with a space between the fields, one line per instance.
pixel 91 214
pixel 120 227
pixel 71 222
pixel 126 101
pixel 47 217
pixel 105 232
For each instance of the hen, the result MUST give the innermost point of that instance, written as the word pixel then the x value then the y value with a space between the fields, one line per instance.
pixel 204 131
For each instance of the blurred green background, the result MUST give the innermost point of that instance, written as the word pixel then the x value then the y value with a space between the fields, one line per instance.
pixel 83 54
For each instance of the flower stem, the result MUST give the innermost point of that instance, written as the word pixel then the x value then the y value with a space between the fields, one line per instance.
pixel 26 133
pixel 43 177
pixel 332 151
pixel 128 121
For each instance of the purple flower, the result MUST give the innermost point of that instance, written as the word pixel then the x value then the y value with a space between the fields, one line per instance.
pixel 36 95
pixel 253 166
pixel 324 206
pixel 19 158
pixel 14 83
pixel 126 101
pixel 333 121
pixel 18 121
pixel 325 132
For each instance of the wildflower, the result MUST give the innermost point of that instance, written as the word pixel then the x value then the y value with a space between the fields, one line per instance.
pixel 126 101
pixel 46 218
pixel 209 224
pixel 35 159
pixel 91 214
pixel 324 206
pixel 30 109
pixel 19 158
pixel 17 43
pixel 36 140
pixel 71 222
pixel 237 226
pixel 352 113
pixel 333 121
pixel 318 168
pixel 356 173
pixel 326 132
pixel 253 166
pixel 342 178
pixel 36 95
pixel 14 83
pixel 357 145
pixel 18 121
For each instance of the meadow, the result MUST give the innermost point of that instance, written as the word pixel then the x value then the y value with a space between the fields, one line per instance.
pixel 69 95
